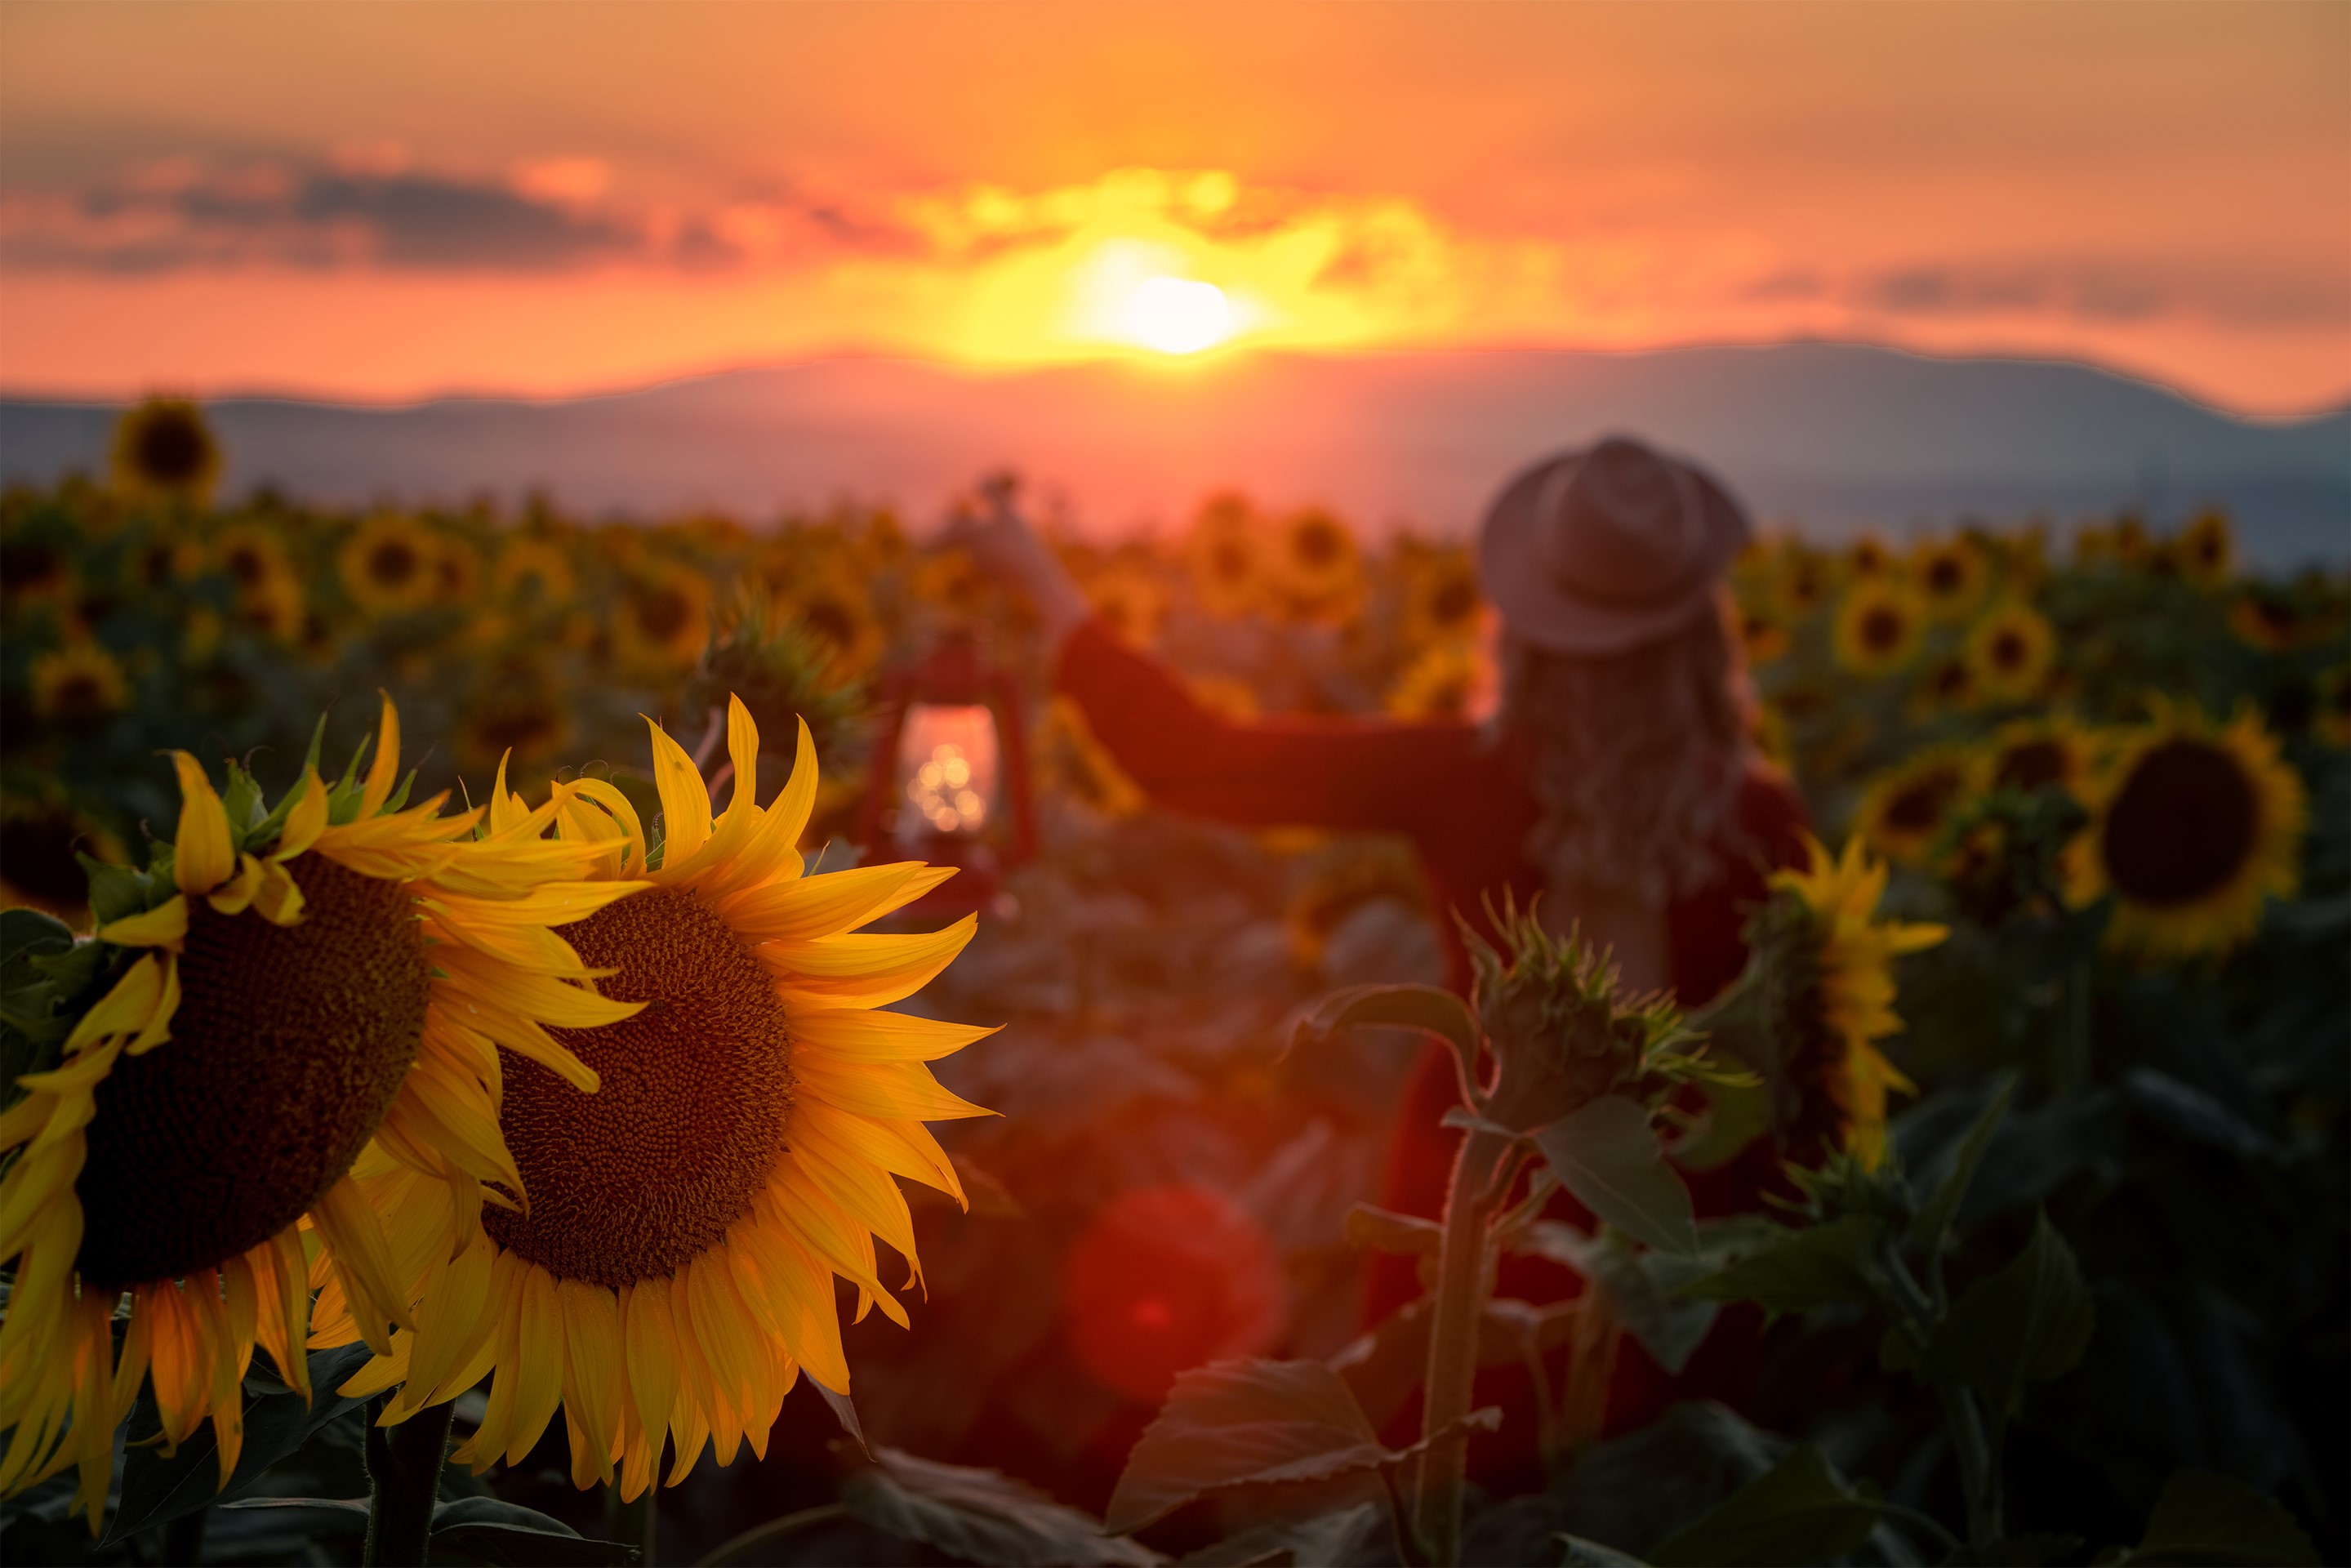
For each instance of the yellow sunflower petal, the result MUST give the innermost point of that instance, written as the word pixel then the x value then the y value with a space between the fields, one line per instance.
pixel 685 799
pixel 202 855
pixel 383 773
pixel 166 924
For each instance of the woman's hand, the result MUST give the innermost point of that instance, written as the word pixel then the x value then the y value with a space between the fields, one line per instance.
pixel 1002 543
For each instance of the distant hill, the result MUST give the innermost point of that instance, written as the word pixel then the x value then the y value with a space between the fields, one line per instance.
pixel 1836 437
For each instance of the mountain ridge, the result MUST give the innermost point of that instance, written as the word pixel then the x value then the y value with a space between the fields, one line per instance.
pixel 1836 437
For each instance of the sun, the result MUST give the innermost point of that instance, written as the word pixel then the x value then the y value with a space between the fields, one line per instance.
pixel 1177 316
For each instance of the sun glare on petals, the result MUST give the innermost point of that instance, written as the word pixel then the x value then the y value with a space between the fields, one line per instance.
pixel 1177 316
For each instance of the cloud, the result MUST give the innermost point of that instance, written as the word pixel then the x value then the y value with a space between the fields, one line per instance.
pixel 370 204
pixel 2100 293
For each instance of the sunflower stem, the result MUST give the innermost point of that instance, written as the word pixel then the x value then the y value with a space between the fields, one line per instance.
pixel 183 1538
pixel 404 1465
pixel 632 1522
pixel 1461 1284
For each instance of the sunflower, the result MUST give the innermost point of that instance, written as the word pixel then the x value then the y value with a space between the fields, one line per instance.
pixel 456 568
pixel 41 831
pixel 164 447
pixel 1903 811
pixel 1879 628
pixel 533 571
pixel 1949 575
pixel 1343 878
pixel 35 570
pixel 1802 582
pixel 1227 556
pixel 836 608
pixel 674 1272
pixel 1841 1002
pixel 1762 634
pixel 389 565
pixel 2205 551
pixel 322 990
pixel 1442 604
pixel 517 713
pixel 662 619
pixel 2035 754
pixel 2010 652
pixel 2275 619
pixel 269 598
pixel 2192 825
pixel 1947 684
pixel 79 684
pixel 1869 556
pixel 1444 681
pixel 2332 719
pixel 1317 570
pixel 1128 600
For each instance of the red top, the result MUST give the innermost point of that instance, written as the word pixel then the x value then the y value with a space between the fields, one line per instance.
pixel 1467 806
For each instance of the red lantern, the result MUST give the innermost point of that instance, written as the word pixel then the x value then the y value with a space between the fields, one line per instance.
pixel 949 780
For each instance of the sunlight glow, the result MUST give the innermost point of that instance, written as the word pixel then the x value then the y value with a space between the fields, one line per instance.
pixel 1177 316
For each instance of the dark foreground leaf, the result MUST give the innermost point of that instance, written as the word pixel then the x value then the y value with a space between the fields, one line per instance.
pixel 1799 1511
pixel 1423 1007
pixel 2203 1518
pixel 484 1530
pixel 1239 1421
pixel 980 1516
pixel 156 1489
pixel 2029 1322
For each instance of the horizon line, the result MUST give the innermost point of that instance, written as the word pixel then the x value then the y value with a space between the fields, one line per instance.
pixel 2339 406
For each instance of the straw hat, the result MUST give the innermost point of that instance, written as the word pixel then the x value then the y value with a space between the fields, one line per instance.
pixel 1601 551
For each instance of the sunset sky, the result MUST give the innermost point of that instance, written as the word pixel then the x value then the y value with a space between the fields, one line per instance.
pixel 383 201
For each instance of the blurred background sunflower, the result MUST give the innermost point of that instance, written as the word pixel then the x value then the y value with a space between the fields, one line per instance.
pixel 2194 826
pixel 1879 626
pixel 164 450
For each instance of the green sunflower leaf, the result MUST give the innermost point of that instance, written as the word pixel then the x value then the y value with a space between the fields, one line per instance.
pixel 1801 1510
pixel 1802 1271
pixel 116 891
pixel 2027 1323
pixel 1608 1155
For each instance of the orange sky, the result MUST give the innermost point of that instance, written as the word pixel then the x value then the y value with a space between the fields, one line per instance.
pixel 383 201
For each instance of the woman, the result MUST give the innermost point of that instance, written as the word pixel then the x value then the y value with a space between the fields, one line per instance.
pixel 1617 781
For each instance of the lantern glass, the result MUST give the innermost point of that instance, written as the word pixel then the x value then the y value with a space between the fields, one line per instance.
pixel 948 777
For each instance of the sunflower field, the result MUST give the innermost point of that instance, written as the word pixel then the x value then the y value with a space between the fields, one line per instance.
pixel 507 970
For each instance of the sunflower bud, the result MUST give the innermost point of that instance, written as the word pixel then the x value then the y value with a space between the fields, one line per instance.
pixel 1559 1035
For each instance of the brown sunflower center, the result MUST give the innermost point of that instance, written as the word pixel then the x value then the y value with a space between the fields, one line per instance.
pixel 247 565
pixel 2030 763
pixel 1881 629
pixel 2181 826
pixel 391 563
pixel 1316 544
pixel 830 620
pixel 1454 603
pixel 662 612
pixel 289 1043
pixel 2008 650
pixel 1231 562
pixel 1945 575
pixel 170 450
pixel 634 1181
pixel 1918 806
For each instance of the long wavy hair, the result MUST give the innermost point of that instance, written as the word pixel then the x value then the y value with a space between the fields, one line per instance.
pixel 1637 758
